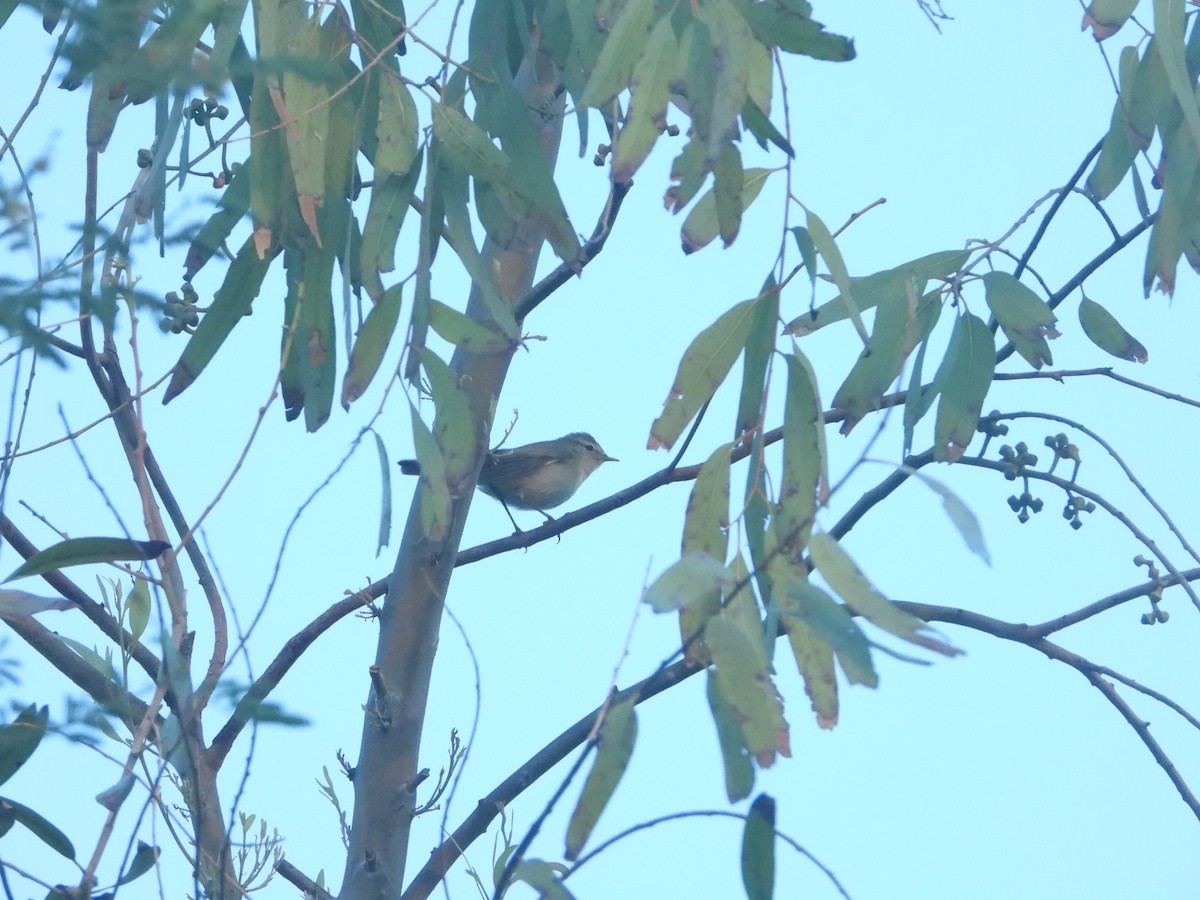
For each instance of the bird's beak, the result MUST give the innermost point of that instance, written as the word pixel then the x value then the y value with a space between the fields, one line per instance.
pixel 608 458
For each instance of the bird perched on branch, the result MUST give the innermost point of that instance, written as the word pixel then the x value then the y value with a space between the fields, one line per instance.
pixel 538 476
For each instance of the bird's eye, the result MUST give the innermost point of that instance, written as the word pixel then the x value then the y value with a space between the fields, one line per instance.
pixel 589 447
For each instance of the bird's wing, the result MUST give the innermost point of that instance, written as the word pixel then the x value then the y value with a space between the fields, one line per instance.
pixel 509 464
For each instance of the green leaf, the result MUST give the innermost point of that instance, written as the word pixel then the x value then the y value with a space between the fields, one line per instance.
pixel 231 209
pixel 528 186
pixel 138 604
pixel 786 24
pixel 801 601
pixel 704 366
pixel 613 752
pixel 705 530
pixel 20 738
pixel 872 290
pixel 243 280
pixel 901 323
pixel 1118 152
pixel 1103 330
pixel 620 54
pixel 851 585
pixel 544 878
pixel 734 51
pixel 744 678
pixel 435 491
pixel 397 127
pixel 41 828
pixel 1027 320
pixel 702 225
pixel 755 121
pixel 758 849
pixel 814 659
pixel 385 492
pixel 81 551
pixel 647 118
pixel 739 770
pixel 961 516
pixel 1105 17
pixel 823 241
pixel 23 603
pixel 1149 98
pixel 805 482
pixel 390 199
pixel 918 398
pixel 453 425
pixel 464 331
pixel 963 381
pixel 1169 25
pixel 688 581
pixel 760 344
pixel 143 861
pixel 371 344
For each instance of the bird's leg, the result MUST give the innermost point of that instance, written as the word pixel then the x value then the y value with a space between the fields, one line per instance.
pixel 511 519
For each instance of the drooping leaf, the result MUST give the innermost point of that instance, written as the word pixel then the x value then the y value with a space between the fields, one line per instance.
pixel 385 492
pixel 961 516
pixel 646 119
pixel 231 209
pixel 20 738
pixel 138 604
pixel 962 381
pixel 786 24
pixel 1027 320
pixel 243 280
pixel 739 769
pixel 435 492
pixel 705 530
pixel 851 585
pixel 1118 150
pixel 760 344
pixel 758 849
pixel 823 241
pixel 704 366
pixel 1105 17
pixel 371 344
pixel 802 602
pixel 901 323
pixel 613 752
pixel 81 551
pixel 743 677
pixel 143 861
pixel 805 482
pixel 703 224
pixel 453 425
pixel 1103 330
pixel 622 49
pixel 47 833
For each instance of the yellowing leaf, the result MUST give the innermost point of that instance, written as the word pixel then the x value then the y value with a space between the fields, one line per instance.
pixel 1027 320
pixel 703 367
pixel 1103 330
pixel 613 752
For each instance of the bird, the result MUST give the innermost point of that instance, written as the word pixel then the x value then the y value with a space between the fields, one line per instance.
pixel 537 476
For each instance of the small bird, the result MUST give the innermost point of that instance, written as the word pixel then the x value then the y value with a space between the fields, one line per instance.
pixel 538 476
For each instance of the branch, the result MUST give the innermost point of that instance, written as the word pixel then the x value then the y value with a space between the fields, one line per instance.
pixel 95 612
pixel 537 765
pixel 1024 634
pixel 590 250
pixel 288 655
